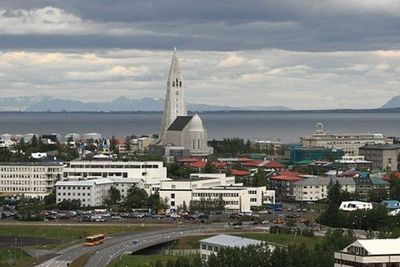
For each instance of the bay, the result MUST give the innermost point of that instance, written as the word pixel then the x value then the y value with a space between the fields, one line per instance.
pixel 287 126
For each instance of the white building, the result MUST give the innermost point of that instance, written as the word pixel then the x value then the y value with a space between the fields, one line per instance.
pixel 349 143
pixel 177 128
pixel 189 132
pixel 212 245
pixel 174 105
pixel 91 193
pixel 29 179
pixel 370 252
pixel 237 198
pixel 125 173
pixel 316 188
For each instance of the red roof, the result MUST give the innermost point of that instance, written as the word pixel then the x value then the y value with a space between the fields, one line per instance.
pixel 119 141
pixel 287 176
pixel 240 172
pixel 199 164
pixel 220 165
pixel 273 164
pixel 387 176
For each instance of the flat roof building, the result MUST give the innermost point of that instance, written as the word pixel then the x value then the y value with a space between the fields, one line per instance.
pixel 369 252
pixel 29 179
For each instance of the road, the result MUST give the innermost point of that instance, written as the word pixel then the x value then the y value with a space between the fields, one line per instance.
pixel 114 246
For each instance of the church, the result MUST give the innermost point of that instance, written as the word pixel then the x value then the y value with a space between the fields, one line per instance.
pixel 178 129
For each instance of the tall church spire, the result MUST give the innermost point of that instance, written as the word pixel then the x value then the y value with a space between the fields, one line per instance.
pixel 174 105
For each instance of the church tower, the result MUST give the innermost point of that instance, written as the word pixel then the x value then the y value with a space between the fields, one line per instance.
pixel 174 105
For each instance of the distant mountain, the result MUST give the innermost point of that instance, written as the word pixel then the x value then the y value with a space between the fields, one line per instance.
pixel 392 103
pixel 120 104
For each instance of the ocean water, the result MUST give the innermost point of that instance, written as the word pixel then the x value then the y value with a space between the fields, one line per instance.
pixel 286 126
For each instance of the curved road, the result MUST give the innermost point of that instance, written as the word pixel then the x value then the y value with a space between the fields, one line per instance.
pixel 116 245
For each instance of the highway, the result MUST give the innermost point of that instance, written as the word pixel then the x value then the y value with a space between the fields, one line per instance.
pixel 116 245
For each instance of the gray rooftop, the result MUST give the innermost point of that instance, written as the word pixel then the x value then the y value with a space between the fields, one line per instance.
pixel 321 181
pixel 230 241
pixel 179 123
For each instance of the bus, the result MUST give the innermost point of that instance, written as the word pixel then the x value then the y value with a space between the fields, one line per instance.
pixel 94 240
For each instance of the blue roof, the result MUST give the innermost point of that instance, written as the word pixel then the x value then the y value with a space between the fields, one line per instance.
pixel 391 204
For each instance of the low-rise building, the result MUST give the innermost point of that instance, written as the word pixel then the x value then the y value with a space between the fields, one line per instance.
pixel 369 252
pixel 282 182
pixel 91 193
pixel 212 245
pixel 29 179
pixel 349 143
pixel 236 197
pixel 364 185
pixel 316 188
pixel 384 157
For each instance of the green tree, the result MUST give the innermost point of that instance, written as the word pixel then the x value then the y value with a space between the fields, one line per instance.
pixel 50 200
pixel 394 187
pixel 136 198
pixel 114 197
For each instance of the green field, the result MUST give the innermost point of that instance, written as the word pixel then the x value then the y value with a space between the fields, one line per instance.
pixel 63 234
pixel 192 242
pixel 141 260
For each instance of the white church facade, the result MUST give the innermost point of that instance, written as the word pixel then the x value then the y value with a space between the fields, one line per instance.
pixel 178 129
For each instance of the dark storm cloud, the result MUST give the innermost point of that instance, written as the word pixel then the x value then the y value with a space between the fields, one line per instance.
pixel 211 25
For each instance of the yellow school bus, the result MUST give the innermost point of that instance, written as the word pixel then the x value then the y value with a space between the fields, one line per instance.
pixel 94 240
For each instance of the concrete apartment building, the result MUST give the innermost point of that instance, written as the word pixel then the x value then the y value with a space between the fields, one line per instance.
pixel 349 143
pixel 316 188
pixel 237 198
pixel 370 252
pixel 29 179
pixel 384 157
pixel 91 193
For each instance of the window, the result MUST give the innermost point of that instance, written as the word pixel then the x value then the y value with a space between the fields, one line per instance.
pixel 172 195
pixel 203 246
pixel 173 203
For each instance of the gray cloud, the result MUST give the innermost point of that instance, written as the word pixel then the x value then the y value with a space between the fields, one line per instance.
pixel 327 25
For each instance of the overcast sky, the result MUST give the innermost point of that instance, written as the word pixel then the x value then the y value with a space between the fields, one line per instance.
pixel 304 54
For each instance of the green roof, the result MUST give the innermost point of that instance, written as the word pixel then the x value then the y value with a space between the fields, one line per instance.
pixel 378 181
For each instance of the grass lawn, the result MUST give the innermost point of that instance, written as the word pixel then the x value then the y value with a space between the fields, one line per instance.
pixel 192 242
pixel 141 260
pixel 64 233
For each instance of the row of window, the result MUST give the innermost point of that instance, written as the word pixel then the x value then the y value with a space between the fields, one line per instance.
pixel 69 194
pixel 146 166
pixel 26 176
pixel 22 189
pixel 23 182
pixel 209 247
pixel 215 194
pixel 29 169
pixel 74 187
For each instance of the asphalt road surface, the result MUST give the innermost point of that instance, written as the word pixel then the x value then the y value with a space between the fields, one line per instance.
pixel 114 246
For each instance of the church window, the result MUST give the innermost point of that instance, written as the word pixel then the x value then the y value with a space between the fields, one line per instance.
pixel 173 83
pixel 180 84
pixel 177 82
pixel 194 144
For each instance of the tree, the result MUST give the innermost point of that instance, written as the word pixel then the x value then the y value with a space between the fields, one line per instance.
pixel 114 196
pixel 394 187
pixel 136 198
pixel 331 215
pixel 260 178
pixel 69 204
pixel 209 168
pixel 50 200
